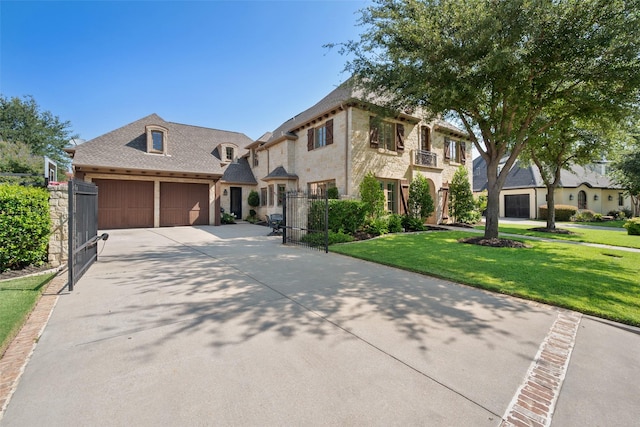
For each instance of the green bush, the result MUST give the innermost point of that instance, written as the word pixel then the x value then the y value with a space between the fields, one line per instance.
pixel 395 223
pixel 333 193
pixel 346 215
pixel 633 226
pixel 563 212
pixel 584 215
pixel 317 239
pixel 228 219
pixel 25 226
pixel 253 199
pixel 413 224
pixel 377 226
pixel 621 213
pixel 372 195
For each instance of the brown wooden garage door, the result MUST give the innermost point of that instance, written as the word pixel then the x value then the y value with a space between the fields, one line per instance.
pixel 184 204
pixel 124 204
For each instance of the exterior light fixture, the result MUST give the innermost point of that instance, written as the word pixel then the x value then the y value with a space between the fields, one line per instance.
pixel 570 196
pixel 595 197
pixel 224 193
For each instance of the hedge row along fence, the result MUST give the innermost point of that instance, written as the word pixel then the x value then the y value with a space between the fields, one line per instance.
pixel 563 212
pixel 25 226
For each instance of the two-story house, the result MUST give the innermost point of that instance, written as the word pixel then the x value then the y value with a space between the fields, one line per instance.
pixel 153 173
pixel 336 142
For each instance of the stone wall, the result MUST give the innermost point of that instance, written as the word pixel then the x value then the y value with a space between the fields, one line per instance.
pixel 59 210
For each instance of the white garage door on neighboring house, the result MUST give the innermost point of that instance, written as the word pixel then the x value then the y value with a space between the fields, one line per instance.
pixel 516 206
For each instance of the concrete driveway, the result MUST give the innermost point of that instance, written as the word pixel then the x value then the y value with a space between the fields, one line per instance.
pixel 226 326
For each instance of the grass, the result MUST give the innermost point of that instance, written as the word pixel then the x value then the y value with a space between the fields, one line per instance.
pixel 17 299
pixel 604 283
pixel 586 235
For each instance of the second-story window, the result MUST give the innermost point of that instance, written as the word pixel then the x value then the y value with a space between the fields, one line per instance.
pixel 156 139
pixel 320 136
pixel 455 151
pixel 229 153
pixel 425 138
pixel 386 135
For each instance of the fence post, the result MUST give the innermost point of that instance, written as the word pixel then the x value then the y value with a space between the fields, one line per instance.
pixel 326 222
pixel 284 217
pixel 72 233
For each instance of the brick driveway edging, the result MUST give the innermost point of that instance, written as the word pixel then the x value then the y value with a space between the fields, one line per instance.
pixel 19 352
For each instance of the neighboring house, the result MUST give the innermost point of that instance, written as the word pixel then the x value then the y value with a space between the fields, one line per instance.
pixel 585 187
pixel 153 173
pixel 336 142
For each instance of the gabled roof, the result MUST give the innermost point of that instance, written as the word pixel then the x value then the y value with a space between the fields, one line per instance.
pixel 342 96
pixel 190 149
pixel 239 173
pixel 529 177
pixel 280 173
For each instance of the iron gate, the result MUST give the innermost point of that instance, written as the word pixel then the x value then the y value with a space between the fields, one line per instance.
pixel 306 219
pixel 83 228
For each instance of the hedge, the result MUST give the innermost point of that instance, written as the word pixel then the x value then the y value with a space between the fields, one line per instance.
pixel 25 226
pixel 346 215
pixel 633 226
pixel 563 212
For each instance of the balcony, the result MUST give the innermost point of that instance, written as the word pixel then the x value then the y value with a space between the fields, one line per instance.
pixel 425 158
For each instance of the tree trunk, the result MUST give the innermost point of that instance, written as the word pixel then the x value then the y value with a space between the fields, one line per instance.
pixel 493 205
pixel 551 207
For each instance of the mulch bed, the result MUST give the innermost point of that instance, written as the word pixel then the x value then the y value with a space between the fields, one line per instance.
pixel 553 231
pixel 494 243
pixel 26 271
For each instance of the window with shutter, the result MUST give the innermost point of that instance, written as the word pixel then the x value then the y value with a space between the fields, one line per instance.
pixel 463 152
pixel 447 148
pixel 310 134
pixel 374 133
pixel 425 139
pixel 400 137
pixel 329 131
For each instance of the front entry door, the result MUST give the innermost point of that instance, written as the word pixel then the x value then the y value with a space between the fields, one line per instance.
pixel 236 202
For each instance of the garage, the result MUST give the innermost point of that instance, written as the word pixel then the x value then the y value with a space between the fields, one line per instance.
pixel 516 206
pixel 124 204
pixel 183 204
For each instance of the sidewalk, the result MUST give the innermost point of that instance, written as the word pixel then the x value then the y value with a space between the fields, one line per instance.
pixel 226 326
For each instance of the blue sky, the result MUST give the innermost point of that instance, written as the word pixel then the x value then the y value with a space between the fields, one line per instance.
pixel 244 66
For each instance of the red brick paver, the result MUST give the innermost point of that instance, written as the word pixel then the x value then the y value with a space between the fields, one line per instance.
pixel 17 356
pixel 535 400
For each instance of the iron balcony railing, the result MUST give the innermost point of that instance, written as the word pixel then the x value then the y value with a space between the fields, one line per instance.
pixel 425 158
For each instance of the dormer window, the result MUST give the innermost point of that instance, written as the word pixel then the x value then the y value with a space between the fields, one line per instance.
pixel 156 139
pixel 229 153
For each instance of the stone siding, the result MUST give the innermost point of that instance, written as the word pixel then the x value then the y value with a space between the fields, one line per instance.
pixel 59 238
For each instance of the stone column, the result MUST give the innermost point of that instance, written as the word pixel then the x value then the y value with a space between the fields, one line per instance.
pixel 59 211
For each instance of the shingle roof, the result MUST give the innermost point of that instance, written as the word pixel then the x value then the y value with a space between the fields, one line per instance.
pixel 343 94
pixel 280 173
pixel 529 177
pixel 190 149
pixel 239 173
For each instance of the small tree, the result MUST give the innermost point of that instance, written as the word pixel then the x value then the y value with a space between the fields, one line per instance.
pixel 253 199
pixel 462 206
pixel 372 195
pixel 420 200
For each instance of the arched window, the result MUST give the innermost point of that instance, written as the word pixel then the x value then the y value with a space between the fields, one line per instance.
pixel 582 200
pixel 156 139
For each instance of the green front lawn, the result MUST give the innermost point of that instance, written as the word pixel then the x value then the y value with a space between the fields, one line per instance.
pixel 602 282
pixel 17 299
pixel 612 237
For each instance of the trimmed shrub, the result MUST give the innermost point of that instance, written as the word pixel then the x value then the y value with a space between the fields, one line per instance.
pixel 372 195
pixel 633 226
pixel 413 224
pixel 584 215
pixel 377 226
pixel 563 212
pixel 228 219
pixel 395 223
pixel 346 215
pixel 25 226
pixel 333 193
pixel 253 199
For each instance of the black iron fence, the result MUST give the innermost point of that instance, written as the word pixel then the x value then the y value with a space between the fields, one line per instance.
pixel 306 220
pixel 83 229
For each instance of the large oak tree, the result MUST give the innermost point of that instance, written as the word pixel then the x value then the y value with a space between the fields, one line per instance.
pixel 498 66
